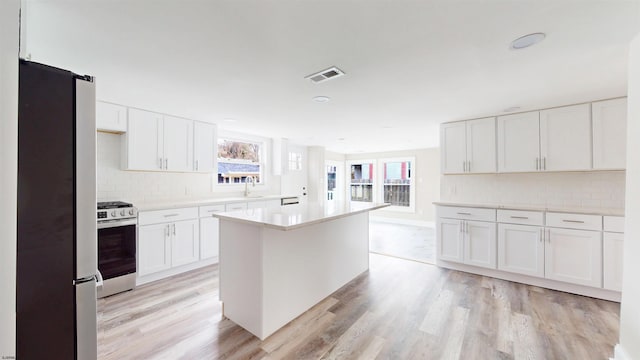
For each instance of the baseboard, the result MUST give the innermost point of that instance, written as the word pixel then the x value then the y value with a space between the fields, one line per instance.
pixel 619 353
pixel 400 221
pixel 141 280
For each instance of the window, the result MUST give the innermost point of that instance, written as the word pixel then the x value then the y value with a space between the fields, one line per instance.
pixel 239 160
pixel 361 183
pixel 295 161
pixel 397 188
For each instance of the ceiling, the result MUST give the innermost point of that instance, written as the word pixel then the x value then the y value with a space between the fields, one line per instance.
pixel 409 65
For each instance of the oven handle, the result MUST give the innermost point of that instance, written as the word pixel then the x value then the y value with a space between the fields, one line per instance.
pixel 112 224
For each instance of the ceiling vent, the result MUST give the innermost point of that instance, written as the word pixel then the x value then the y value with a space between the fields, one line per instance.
pixel 324 75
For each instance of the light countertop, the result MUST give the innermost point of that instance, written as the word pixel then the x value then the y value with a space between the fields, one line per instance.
pixel 297 216
pixel 595 211
pixel 161 205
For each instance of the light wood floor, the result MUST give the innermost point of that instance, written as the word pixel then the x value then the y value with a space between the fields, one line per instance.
pixel 399 309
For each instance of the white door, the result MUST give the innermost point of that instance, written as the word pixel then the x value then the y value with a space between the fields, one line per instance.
pixel 209 237
pixel 154 248
pixel 613 247
pixel 185 245
pixel 449 235
pixel 519 142
pixel 111 117
pixel 521 249
pixel 453 146
pixel 145 141
pixel 294 181
pixel 574 256
pixel 204 145
pixel 609 134
pixel 334 182
pixel 178 144
pixel 480 243
pixel 565 138
pixel 481 145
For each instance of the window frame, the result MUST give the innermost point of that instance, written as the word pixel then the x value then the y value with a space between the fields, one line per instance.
pixel 374 180
pixel 262 143
pixel 412 189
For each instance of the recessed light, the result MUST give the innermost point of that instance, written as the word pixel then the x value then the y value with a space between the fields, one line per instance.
pixel 229 120
pixel 511 109
pixel 527 40
pixel 321 99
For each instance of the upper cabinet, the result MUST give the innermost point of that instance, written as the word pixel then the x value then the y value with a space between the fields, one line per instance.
pixel 609 134
pixel 205 147
pixel 111 117
pixel 549 140
pixel 468 146
pixel 158 142
pixel 565 138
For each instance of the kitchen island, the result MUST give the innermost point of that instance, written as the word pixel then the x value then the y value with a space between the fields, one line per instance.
pixel 275 264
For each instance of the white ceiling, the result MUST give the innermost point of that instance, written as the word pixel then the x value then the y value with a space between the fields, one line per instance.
pixel 409 65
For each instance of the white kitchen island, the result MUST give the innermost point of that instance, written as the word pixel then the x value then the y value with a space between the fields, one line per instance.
pixel 275 264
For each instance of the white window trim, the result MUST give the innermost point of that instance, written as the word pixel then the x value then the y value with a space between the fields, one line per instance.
pixel 412 190
pixel 265 148
pixel 347 177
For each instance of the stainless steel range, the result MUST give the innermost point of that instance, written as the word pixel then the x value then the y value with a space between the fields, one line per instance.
pixel 117 222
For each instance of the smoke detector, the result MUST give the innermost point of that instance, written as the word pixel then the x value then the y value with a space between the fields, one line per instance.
pixel 324 75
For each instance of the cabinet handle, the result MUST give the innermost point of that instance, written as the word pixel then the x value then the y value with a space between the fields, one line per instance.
pixel 166 164
pixel 461 225
pixel 174 229
pixel 469 166
pixel 464 166
pixel 167 232
pixel 520 217
pixel 541 234
pixel 196 165
pixel 537 163
pixel 160 163
pixel 549 236
pixel 544 163
pixel 171 215
pixel 212 211
pixel 463 213
pixel 574 221
pixel 466 225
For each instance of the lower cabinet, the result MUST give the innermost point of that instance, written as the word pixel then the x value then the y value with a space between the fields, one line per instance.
pixel 521 249
pixel 209 237
pixel 185 242
pixel 166 245
pixel 613 251
pixel 450 239
pixel 574 256
pixel 468 242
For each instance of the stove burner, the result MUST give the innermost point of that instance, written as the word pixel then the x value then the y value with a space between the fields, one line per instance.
pixel 113 205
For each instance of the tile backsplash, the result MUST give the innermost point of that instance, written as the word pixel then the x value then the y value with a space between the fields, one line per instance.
pixel 580 190
pixel 144 186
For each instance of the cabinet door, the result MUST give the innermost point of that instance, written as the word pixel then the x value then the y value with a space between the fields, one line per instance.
pixel 453 144
pixel 111 117
pixel 613 254
pixel 481 145
pixel 521 249
pixel 609 134
pixel 178 144
pixel 480 243
pixel 204 153
pixel 185 245
pixel 144 140
pixel 154 248
pixel 209 237
pixel 449 234
pixel 565 138
pixel 574 256
pixel 518 142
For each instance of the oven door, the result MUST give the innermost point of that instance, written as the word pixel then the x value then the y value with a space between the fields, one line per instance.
pixel 117 248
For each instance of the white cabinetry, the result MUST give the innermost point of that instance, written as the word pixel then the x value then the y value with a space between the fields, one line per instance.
pixel 548 140
pixel 158 142
pixel 185 242
pixel 574 256
pixel 209 231
pixel 520 242
pixel 204 153
pixel 469 146
pixel 111 117
pixel 565 138
pixel 609 134
pixel 467 235
pixel 154 249
pixel 613 252
pixel 236 206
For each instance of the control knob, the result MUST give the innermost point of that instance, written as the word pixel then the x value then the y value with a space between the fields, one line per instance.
pixel 113 213
pixel 130 211
pixel 121 212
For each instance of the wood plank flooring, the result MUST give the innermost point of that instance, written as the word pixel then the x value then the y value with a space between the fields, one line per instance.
pixel 399 309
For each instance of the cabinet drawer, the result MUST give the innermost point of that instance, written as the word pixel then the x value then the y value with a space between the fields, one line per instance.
pixel 206 211
pixel 169 215
pixel 235 206
pixel 574 221
pixel 614 223
pixel 467 213
pixel 521 217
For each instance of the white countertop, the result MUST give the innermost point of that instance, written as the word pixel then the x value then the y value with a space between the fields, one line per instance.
pixel 160 205
pixel 297 216
pixel 598 211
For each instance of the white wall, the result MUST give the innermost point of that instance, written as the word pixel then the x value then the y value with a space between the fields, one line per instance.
pixel 150 187
pixel 630 310
pixel 579 190
pixel 426 177
pixel 9 13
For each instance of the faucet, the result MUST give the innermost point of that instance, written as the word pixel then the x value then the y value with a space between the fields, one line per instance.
pixel 247 180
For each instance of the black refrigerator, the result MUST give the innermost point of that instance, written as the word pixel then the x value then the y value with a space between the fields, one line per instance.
pixel 56 240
